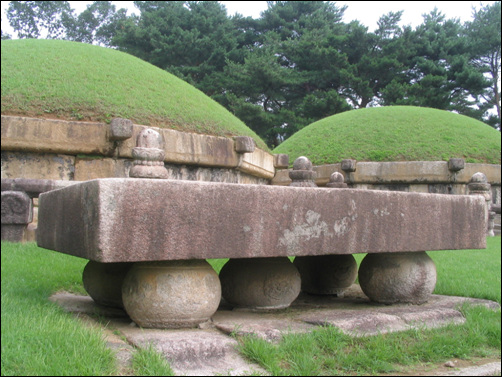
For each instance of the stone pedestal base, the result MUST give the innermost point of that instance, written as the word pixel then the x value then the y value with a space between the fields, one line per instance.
pixel 172 294
pixel 398 277
pixel 103 282
pixel 13 232
pixel 260 283
pixel 327 274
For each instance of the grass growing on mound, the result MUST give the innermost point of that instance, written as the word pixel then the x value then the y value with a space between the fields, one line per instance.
pixel 77 81
pixel 395 133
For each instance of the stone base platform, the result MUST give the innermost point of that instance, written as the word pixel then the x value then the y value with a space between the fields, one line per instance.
pixel 209 350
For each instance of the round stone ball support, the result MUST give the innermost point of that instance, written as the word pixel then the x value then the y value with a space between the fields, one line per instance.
pixel 406 277
pixel 327 274
pixel 260 283
pixel 171 294
pixel 103 282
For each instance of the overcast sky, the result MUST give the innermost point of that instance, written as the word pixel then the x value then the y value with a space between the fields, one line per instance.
pixel 367 12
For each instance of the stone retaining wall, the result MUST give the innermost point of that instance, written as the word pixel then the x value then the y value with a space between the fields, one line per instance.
pixel 438 177
pixel 49 150
pixel 67 150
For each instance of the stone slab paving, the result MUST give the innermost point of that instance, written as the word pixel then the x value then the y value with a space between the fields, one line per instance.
pixel 209 350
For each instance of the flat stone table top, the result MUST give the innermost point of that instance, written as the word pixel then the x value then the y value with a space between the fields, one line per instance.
pixel 129 220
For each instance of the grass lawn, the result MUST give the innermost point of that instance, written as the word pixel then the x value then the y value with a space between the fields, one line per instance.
pixel 78 81
pixel 394 133
pixel 38 338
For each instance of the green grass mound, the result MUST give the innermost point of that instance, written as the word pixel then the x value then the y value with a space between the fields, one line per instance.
pixel 394 133
pixel 77 81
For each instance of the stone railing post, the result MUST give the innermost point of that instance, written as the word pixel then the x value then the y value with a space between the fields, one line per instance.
pixel 336 180
pixel 17 213
pixel 148 156
pixel 302 174
pixel 478 185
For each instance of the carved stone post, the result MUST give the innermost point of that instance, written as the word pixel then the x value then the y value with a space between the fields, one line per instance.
pixel 478 185
pixel 302 174
pixel 17 212
pixel 148 156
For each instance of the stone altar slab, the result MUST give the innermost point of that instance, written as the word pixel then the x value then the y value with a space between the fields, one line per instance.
pixel 131 220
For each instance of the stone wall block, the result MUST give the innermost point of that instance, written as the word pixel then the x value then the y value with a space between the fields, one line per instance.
pixel 259 163
pixel 87 169
pixel 37 166
pixel 55 136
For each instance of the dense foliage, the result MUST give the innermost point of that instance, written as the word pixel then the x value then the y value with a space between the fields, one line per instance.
pixel 299 62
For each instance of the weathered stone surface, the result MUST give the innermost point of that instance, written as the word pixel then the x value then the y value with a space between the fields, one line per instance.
pixel 398 277
pixel 327 274
pixel 87 169
pixel 372 322
pixel 198 173
pixel 171 294
pixel 188 148
pixel 54 136
pixel 126 220
pixel 259 163
pixel 260 283
pixel 264 325
pixel 37 166
pixel 195 352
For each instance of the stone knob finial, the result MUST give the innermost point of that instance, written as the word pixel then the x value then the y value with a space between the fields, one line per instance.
pixel 478 185
pixel 302 163
pixel 478 178
pixel 302 174
pixel 148 156
pixel 149 138
pixel 336 180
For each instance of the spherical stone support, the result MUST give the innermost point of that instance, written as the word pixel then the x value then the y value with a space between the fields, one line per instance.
pixel 103 282
pixel 327 274
pixel 260 283
pixel 407 277
pixel 171 294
